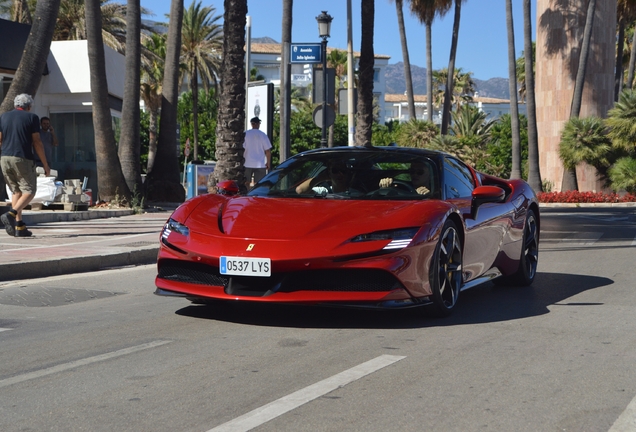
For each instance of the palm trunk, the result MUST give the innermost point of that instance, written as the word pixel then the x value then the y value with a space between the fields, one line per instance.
pixel 194 88
pixel 632 65
pixel 448 91
pixel 36 51
pixel 407 62
pixel 534 172
pixel 230 130
pixel 285 82
pixel 569 175
pixel 365 85
pixel 429 71
pixel 110 178
pixel 129 144
pixel 163 182
pixel 514 107
pixel 152 139
pixel 618 76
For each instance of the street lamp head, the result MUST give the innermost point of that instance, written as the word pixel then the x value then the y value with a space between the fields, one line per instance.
pixel 324 24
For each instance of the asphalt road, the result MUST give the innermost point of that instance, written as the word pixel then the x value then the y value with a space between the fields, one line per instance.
pixel 100 352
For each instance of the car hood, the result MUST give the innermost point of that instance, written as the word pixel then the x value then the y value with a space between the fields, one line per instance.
pixel 287 218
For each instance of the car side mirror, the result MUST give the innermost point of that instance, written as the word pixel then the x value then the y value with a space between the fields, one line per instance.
pixel 485 194
pixel 228 187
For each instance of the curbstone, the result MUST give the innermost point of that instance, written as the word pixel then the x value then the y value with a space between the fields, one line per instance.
pixel 82 264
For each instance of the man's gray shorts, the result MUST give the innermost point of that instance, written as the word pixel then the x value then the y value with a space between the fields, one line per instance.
pixel 259 173
pixel 19 174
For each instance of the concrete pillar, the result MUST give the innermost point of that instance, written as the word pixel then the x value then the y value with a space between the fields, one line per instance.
pixel 559 28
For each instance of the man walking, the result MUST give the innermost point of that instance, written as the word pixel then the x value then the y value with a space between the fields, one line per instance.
pixel 19 136
pixel 258 154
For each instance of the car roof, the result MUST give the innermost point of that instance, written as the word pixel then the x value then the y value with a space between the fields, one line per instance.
pixel 390 149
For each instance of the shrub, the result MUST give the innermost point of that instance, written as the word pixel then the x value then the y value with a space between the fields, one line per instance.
pixel 575 197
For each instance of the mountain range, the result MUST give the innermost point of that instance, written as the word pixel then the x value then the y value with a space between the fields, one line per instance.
pixel 396 84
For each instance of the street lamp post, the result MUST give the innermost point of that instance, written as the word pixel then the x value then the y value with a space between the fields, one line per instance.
pixel 324 29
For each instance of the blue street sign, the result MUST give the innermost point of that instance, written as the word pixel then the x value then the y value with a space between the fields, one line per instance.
pixel 305 53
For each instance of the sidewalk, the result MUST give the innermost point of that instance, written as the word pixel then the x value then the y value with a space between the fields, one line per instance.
pixel 66 242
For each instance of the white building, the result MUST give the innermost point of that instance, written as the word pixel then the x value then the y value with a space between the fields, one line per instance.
pixel 397 108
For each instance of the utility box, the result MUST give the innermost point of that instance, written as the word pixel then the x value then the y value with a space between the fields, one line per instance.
pixel 197 178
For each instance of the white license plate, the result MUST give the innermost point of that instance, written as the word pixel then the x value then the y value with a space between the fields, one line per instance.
pixel 242 266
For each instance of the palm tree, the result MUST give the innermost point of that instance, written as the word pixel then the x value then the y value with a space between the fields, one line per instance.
pixel 463 89
pixel 71 23
pixel 514 106
pixel 623 175
pixel 285 82
pixel 399 5
pixel 151 85
pixel 448 90
pixel 110 178
pixel 29 74
pixel 426 11
pixel 569 173
pixel 337 60
pixel 416 133
pixel 202 41
pixel 230 129
pixel 162 182
pixel 521 71
pixel 364 120
pixel 471 128
pixel 129 144
pixel 585 140
pixel 621 121
pixel 534 172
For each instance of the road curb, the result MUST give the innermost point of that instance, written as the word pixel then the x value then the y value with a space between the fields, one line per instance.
pixel 48 216
pixel 40 269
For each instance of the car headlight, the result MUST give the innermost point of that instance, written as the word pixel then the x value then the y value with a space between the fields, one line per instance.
pixel 400 238
pixel 173 225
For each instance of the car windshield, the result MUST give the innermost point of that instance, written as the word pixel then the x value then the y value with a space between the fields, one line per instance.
pixel 352 175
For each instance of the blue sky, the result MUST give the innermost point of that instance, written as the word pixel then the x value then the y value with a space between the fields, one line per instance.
pixel 482 47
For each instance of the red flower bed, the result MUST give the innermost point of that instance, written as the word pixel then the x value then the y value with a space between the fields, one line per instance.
pixel 575 197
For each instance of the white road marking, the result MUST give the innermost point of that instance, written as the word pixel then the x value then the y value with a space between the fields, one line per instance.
pixel 77 363
pixel 287 403
pixel 626 422
pixel 4 329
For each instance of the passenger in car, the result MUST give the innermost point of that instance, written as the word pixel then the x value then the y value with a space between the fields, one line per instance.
pixel 336 178
pixel 420 178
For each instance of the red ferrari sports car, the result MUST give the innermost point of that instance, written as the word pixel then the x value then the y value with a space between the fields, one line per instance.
pixel 383 227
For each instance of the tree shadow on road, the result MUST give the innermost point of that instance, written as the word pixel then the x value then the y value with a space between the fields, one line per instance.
pixel 484 304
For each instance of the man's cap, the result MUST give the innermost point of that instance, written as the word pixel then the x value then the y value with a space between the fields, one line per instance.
pixel 255 120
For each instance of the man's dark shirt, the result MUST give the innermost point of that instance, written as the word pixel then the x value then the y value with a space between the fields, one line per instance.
pixel 18 127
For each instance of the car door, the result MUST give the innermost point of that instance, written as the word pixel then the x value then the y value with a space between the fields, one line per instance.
pixel 484 233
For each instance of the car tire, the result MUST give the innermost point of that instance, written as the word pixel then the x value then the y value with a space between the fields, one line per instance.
pixel 446 271
pixel 529 258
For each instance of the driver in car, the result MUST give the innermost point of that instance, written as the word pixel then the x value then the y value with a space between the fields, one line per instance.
pixel 420 178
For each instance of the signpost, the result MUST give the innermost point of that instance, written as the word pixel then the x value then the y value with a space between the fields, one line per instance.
pixel 305 53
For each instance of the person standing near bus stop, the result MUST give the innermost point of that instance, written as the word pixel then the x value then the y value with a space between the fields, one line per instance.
pixel 258 154
pixel 19 136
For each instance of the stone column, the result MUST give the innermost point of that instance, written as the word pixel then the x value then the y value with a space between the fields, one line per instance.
pixel 560 25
